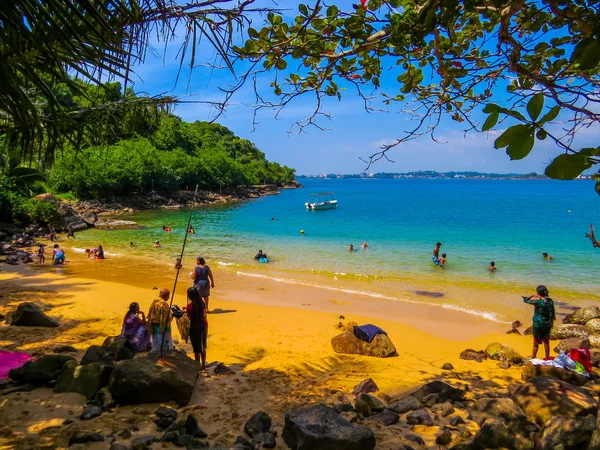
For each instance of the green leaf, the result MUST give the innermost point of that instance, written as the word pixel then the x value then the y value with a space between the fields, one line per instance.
pixel 550 115
pixel 587 53
pixel 590 151
pixel 332 11
pixel 303 9
pixel 541 135
pixel 535 105
pixel 520 148
pixel 252 33
pixel 490 108
pixel 513 134
pixel 491 121
pixel 281 64
pixel 568 166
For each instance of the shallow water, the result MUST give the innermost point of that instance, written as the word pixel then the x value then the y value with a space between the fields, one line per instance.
pixel 510 222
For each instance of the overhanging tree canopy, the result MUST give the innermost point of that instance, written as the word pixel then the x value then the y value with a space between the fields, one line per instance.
pixel 449 58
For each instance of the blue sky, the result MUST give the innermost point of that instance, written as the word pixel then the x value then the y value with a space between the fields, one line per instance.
pixel 353 133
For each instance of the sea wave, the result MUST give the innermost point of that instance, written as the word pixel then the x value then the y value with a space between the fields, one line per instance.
pixel 483 314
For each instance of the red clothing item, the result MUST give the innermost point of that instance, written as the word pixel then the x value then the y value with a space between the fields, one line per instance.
pixel 582 355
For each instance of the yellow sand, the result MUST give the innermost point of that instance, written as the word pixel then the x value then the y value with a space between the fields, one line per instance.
pixel 281 355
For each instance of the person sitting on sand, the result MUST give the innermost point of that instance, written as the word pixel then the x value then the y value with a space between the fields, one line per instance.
pixel 547 256
pixel 91 252
pixel 365 245
pixel 70 232
pixel 201 276
pixel 157 244
pixel 196 311
pixel 191 230
pixel 134 329
pixel 436 252
pixel 100 254
pixel 543 319
pixel 178 264
pixel 443 262
pixel 167 229
pixel 58 255
pixel 351 248
pixel 40 253
pixel 492 266
pixel 159 322
pixel 260 255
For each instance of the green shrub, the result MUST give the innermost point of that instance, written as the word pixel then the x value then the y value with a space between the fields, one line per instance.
pixel 35 211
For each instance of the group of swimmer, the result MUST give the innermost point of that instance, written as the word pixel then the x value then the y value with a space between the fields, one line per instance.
pixel 364 245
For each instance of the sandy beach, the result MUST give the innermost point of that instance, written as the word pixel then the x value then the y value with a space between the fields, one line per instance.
pixel 275 337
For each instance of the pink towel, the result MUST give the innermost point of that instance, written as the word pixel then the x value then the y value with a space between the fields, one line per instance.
pixel 11 360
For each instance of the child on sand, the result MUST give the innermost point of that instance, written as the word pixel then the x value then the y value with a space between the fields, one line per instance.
pixel 492 266
pixel 40 253
pixel 91 252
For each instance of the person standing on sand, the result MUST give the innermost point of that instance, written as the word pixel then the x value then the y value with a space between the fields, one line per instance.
pixel 41 253
pixel 70 232
pixel 159 321
pixel 196 311
pixel 52 234
pixel 543 319
pixel 201 276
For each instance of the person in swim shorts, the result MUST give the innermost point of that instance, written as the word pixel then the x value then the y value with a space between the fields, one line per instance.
pixel 544 316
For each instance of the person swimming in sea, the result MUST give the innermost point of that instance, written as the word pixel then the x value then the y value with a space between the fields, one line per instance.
pixel 131 244
pixel 157 244
pixel 492 266
pixel 443 262
pixel 167 229
pixel 191 230
pixel 547 257
pixel 260 255
pixel 178 264
pixel 365 245
pixel 436 253
pixel 351 248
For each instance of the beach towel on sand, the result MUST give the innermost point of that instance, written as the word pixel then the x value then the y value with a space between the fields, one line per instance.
pixel 11 360
pixel 367 332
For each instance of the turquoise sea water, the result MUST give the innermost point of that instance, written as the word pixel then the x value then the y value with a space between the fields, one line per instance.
pixel 510 222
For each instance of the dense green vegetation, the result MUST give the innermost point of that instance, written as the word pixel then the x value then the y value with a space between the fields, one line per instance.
pixel 137 151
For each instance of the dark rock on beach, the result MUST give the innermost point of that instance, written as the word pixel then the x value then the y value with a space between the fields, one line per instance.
pixel 260 422
pixel 567 344
pixel 530 371
pixel 504 408
pixel 374 403
pixel 41 371
pixel 443 409
pixel 155 379
pixel 566 331
pixel 569 433
pixel 445 392
pixel 419 417
pixel 90 411
pixel 142 443
pixel 166 412
pixel 473 355
pixel 544 397
pixel 387 417
pixel 320 427
pixel 64 349
pixel 192 428
pixel 495 433
pixel 83 437
pixel 406 404
pixel 365 387
pixel 118 344
pixel 447 366
pixel 583 315
pixel 85 380
pixel 264 440
pixel 503 352
pixel 380 347
pixel 444 438
pixel 30 315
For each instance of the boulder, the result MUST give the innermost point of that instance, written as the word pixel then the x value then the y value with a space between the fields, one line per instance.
pixel 593 325
pixel 320 427
pixel 406 404
pixel 583 315
pixel 363 408
pixel 595 440
pixel 528 331
pixel 544 397
pixel 30 315
pixel 566 331
pixel 495 433
pixel 447 366
pixel 380 347
pixel 413 438
pixel 444 438
pixel 163 412
pixel 41 371
pixel 387 417
pixel 142 443
pixel 365 387
pixel 443 409
pixel 99 354
pixel 374 403
pixel 90 411
pixel 503 352
pixel 456 421
pixel 155 379
pixel 445 392
pixel 64 349
pixel 118 344
pixel 90 218
pixel 104 398
pixel 530 371
pixel 260 422
pixel 83 437
pixel 264 440
pixel 85 380
pixel 472 355
pixel 567 344
pixel 594 340
pixel 192 428
pixel 114 224
pixel 419 417
pixel 505 409
pixel 568 433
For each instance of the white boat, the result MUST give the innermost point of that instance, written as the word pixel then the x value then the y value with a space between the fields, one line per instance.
pixel 322 200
